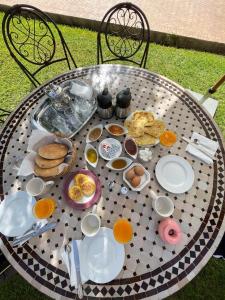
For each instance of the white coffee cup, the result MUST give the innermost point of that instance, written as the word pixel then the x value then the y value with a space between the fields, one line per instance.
pixel 162 205
pixel 37 186
pixel 91 223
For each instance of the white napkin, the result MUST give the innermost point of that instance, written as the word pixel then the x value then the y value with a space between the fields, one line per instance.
pixel 70 258
pixel 212 145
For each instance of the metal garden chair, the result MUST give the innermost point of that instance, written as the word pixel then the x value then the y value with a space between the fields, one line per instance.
pixel 34 40
pixel 125 31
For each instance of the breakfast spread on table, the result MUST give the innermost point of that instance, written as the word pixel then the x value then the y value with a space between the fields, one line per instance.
pixel 128 151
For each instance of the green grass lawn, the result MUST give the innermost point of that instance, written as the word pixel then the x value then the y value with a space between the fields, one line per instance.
pixel 192 69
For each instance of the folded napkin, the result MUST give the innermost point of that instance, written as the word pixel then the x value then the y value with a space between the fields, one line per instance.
pixel 212 145
pixel 69 260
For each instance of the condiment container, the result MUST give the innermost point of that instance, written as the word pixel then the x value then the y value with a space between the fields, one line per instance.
pixel 116 129
pixel 131 147
pixel 119 163
pixel 109 148
pixel 94 133
pixel 123 99
pixel 91 155
pixel 105 107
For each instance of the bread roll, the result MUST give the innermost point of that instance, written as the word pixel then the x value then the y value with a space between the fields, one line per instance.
pixel 51 172
pixel 53 151
pixel 47 163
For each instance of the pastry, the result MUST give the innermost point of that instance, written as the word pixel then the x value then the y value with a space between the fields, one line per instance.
pixel 146 139
pixel 53 151
pixel 46 172
pixel 88 187
pixel 145 117
pixel 75 193
pixel 80 178
pixel 47 163
pixel 156 129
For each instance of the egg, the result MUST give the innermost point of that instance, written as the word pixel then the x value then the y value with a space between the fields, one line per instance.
pixel 135 181
pixel 139 170
pixel 130 174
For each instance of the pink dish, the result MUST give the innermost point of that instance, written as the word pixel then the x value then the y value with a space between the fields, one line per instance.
pixel 170 231
pixel 89 202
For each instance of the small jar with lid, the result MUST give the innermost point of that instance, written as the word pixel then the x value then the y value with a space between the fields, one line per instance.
pixel 123 99
pixel 105 107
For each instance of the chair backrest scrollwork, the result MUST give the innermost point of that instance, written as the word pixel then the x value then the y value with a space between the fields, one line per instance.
pixel 30 36
pixel 125 31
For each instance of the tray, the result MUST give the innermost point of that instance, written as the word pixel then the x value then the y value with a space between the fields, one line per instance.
pixel 63 124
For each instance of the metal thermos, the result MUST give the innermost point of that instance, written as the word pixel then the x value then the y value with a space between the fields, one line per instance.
pixel 105 107
pixel 123 99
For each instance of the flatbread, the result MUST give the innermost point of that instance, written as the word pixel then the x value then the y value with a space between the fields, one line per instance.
pixel 156 129
pixel 146 139
pixel 145 117
pixel 47 163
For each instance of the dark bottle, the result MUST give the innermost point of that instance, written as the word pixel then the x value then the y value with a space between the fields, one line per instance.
pixel 105 107
pixel 123 99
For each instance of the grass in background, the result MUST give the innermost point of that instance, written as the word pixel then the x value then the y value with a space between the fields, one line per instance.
pixel 191 69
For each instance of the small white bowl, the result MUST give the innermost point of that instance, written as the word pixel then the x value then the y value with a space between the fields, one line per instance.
pixel 128 162
pixel 102 148
pixel 89 146
pixel 125 131
pixel 145 179
pixel 133 156
pixel 97 126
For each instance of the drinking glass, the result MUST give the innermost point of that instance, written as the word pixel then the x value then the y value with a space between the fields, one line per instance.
pixel 123 231
pixel 44 208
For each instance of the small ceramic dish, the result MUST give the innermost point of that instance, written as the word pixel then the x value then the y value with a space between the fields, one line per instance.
pixel 145 178
pixel 94 133
pixel 116 129
pixel 119 163
pixel 130 147
pixel 92 152
pixel 109 148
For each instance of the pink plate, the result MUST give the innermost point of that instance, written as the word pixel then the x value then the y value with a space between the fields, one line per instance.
pixel 90 200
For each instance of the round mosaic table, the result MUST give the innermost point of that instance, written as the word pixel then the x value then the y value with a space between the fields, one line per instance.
pixel 152 269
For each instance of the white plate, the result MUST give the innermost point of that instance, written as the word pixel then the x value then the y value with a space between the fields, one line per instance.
pixel 145 179
pixel 174 174
pixel 16 214
pixel 101 257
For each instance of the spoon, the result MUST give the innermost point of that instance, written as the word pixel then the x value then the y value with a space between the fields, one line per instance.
pixel 68 250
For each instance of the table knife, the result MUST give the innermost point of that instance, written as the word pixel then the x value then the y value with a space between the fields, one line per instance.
pixel 200 147
pixel 28 236
pixel 77 264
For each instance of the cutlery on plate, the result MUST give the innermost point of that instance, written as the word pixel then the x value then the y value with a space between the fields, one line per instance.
pixel 28 236
pixel 203 149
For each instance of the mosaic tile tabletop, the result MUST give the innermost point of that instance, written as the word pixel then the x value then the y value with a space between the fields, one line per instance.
pixel 152 269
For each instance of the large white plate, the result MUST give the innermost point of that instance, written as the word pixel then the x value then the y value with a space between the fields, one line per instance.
pixel 174 174
pixel 16 214
pixel 101 257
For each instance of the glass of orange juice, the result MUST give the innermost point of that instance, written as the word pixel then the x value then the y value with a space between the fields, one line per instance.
pixel 168 138
pixel 123 231
pixel 44 208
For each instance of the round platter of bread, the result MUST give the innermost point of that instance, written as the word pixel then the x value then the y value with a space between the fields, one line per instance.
pixel 48 159
pixel 81 189
pixel 144 127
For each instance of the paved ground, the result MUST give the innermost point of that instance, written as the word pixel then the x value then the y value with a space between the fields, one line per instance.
pixel 201 19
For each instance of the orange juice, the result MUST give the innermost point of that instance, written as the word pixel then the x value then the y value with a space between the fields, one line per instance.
pixel 123 231
pixel 44 208
pixel 168 138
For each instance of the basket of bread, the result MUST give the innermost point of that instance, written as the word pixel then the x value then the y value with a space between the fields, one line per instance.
pixel 49 156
